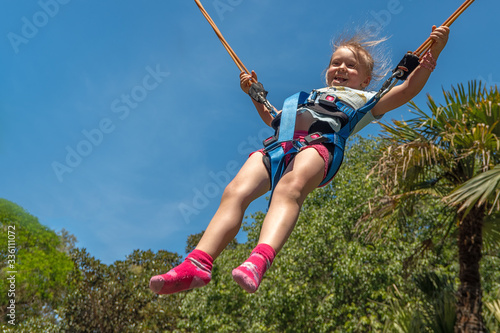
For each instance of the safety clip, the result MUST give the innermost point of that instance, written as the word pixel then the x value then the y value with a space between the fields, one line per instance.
pixel 315 138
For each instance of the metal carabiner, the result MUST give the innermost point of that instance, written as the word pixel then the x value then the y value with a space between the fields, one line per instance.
pixel 389 83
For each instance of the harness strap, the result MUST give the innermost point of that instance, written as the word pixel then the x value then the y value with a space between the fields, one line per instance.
pixel 274 149
pixel 337 161
pixel 286 131
pixel 288 116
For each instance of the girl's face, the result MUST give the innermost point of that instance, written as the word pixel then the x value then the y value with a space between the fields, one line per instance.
pixel 345 70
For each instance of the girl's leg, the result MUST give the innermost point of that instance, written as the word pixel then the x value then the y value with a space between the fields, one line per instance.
pixel 251 182
pixel 302 176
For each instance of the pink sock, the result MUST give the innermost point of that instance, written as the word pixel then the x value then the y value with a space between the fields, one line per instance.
pixel 249 274
pixel 194 272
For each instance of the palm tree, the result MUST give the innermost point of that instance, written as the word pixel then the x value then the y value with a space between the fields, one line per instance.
pixel 452 153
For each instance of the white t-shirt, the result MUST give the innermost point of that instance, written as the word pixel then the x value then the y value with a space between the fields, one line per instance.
pixel 352 97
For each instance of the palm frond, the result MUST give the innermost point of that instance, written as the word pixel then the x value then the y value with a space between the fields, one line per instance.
pixel 403 317
pixel 491 232
pixel 373 224
pixel 433 310
pixel 488 110
pixel 494 307
pixel 448 151
pixel 414 165
pixel 482 189
pixel 453 138
pixel 440 298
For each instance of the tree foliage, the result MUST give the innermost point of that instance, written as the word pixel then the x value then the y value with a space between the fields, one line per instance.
pixel 116 298
pixel 39 266
pixel 327 278
pixel 331 276
pixel 450 154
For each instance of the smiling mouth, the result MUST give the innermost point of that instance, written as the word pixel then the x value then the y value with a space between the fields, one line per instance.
pixel 339 79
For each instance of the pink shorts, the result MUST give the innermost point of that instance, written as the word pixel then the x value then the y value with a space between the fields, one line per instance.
pixel 322 150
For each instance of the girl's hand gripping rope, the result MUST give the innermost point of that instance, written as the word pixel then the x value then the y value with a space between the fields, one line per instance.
pixel 251 86
pixel 403 93
pixel 246 81
pixel 440 38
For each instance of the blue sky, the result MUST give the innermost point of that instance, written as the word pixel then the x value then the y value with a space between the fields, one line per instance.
pixel 121 121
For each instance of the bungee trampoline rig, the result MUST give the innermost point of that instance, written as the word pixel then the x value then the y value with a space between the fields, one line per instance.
pixel 284 122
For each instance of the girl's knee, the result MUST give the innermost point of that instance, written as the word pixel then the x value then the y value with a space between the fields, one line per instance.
pixel 292 189
pixel 235 191
pixel 231 190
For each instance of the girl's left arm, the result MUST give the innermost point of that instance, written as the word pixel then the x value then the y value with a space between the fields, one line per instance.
pixel 403 93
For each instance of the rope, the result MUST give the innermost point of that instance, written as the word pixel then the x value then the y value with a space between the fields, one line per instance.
pixel 428 43
pixel 233 55
pixel 419 52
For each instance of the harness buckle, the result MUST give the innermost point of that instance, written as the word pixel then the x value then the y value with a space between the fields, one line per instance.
pixel 269 141
pixel 328 100
pixel 298 145
pixel 312 97
pixel 315 138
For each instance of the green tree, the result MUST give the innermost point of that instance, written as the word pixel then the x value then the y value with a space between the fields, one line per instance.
pixel 431 307
pixel 32 252
pixel 445 155
pixel 116 298
pixel 326 279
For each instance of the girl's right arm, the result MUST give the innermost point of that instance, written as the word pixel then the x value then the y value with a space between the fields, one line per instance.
pixel 403 93
pixel 245 84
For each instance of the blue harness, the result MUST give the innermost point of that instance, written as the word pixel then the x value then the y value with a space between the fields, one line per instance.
pixel 275 150
pixel 286 130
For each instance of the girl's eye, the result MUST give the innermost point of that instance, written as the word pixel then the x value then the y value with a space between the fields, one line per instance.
pixel 351 65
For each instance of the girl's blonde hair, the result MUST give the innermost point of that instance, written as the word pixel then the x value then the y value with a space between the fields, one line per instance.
pixel 368 49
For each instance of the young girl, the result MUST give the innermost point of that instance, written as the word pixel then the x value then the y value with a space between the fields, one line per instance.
pixel 349 72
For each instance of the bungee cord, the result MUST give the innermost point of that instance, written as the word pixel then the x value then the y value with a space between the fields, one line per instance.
pixel 428 43
pixel 258 93
pixel 233 55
